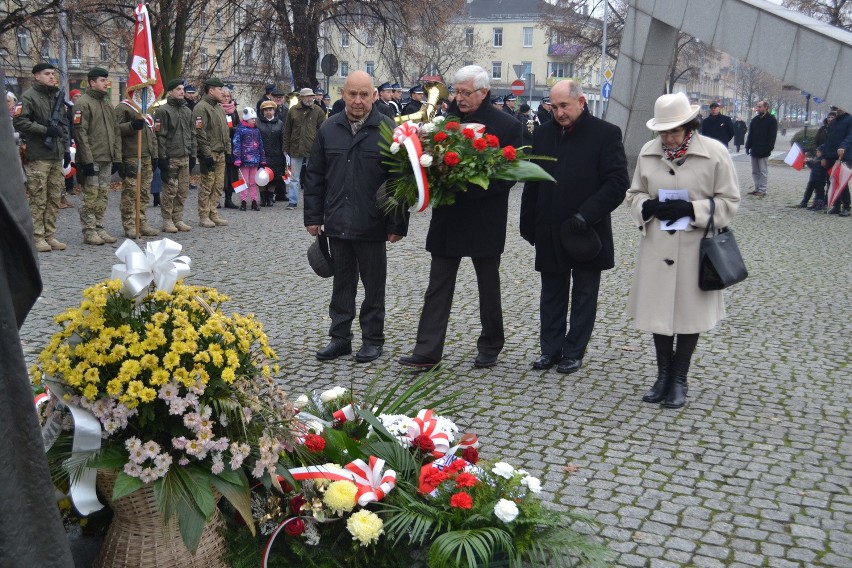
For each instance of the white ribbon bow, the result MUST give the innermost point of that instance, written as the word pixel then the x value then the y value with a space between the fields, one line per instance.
pixel 159 263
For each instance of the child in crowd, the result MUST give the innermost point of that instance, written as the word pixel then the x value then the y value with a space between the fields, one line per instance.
pixel 248 154
pixel 816 183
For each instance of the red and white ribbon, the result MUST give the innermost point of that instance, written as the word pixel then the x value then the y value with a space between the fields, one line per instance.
pixel 466 441
pixel 427 425
pixel 272 537
pixel 344 414
pixel 406 134
pixel 373 483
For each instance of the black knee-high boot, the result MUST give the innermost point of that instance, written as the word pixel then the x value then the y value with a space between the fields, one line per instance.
pixel 676 397
pixel 664 346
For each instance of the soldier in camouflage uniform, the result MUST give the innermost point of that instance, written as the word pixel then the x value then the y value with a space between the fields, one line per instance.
pixel 98 154
pixel 128 115
pixel 31 117
pixel 214 142
pixel 176 148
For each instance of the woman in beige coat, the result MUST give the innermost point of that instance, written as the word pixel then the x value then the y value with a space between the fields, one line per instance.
pixel 665 298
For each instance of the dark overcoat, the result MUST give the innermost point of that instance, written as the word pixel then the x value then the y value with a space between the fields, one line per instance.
pixel 475 225
pixel 591 174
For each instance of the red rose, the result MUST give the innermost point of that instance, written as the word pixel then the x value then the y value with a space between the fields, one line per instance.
pixel 468 133
pixel 439 136
pixel 430 478
pixel 451 159
pixel 461 501
pixel 466 480
pixel 453 125
pixel 296 504
pixel 479 144
pixel 295 527
pixel 471 455
pixel 509 153
pixel 314 443
pixel 423 443
pixel 492 140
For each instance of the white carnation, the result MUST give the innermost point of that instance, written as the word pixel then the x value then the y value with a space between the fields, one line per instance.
pixel 301 401
pixel 506 510
pixel 426 160
pixel 532 483
pixel 332 394
pixel 427 128
pixel 394 148
pixel 438 119
pixel 503 469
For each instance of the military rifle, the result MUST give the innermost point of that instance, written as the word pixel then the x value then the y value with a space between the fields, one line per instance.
pixel 57 117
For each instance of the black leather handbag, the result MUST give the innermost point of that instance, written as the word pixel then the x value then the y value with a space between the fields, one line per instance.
pixel 720 263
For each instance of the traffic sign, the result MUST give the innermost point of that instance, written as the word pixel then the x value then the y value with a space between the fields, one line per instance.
pixel 608 75
pixel 518 87
pixel 606 89
pixel 328 64
pixel 818 100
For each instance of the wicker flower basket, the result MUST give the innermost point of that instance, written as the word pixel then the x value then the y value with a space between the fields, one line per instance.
pixel 137 537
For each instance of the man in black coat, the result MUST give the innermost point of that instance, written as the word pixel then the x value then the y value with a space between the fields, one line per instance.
pixel 416 101
pixel 759 143
pixel 718 126
pixel 474 226
pixel 569 221
pixel 345 171
pixel 545 111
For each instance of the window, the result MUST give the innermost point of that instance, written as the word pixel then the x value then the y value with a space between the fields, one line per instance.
pixel 104 50
pixel 187 55
pixel 248 53
pixel 468 37
pixel 528 37
pixel 344 39
pixel 45 48
pixel 122 55
pixel 370 68
pixel 202 19
pixel 466 63
pixel 23 42
pixel 344 68
pixel 204 59
pixel 496 70
pixel 371 41
pixel 560 69
pixel 498 37
pixel 219 56
pixel 220 22
pixel 398 41
pixel 76 52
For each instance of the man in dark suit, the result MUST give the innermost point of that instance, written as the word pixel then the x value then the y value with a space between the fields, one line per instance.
pixel 718 125
pixel 474 226
pixel 568 221
pixel 385 96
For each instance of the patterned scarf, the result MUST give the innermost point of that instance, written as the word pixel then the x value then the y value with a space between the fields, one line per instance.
pixel 678 152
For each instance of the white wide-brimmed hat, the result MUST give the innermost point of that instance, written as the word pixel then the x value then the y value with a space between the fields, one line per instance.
pixel 671 111
pixel 306 92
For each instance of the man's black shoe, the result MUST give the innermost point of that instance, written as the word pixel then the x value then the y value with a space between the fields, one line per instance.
pixel 368 353
pixel 418 362
pixel 569 365
pixel 483 361
pixel 545 362
pixel 334 350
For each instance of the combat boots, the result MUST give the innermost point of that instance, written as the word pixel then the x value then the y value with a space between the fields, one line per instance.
pixel 90 237
pixel 169 226
pixel 204 221
pixel 214 216
pixel 183 227
pixel 55 244
pixel 42 246
pixel 149 231
pixel 105 237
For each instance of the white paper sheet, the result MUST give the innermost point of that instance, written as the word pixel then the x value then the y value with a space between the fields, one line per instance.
pixel 670 194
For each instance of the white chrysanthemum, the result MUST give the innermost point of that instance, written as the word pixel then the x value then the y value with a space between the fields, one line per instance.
pixel 438 119
pixel 427 128
pixel 503 469
pixel 394 148
pixel 506 510
pixel 365 527
pixel 332 394
pixel 426 160
pixel 532 483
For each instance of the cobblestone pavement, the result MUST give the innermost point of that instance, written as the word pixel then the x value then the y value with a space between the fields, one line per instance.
pixel 755 471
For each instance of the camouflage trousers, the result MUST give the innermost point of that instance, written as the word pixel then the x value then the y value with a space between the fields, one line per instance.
pixel 128 193
pixel 95 197
pixel 173 195
pixel 212 186
pixel 44 187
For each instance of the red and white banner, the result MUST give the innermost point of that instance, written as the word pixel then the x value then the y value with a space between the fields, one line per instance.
pixel 795 157
pixel 144 71
pixel 839 175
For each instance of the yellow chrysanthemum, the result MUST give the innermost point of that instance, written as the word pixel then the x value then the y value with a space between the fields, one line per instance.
pixel 229 375
pixel 340 496
pixel 171 360
pixel 90 392
pixel 365 527
pixel 159 377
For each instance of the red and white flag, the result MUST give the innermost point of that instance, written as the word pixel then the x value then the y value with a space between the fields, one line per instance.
pixel 839 175
pixel 795 157
pixel 144 71
pixel 239 185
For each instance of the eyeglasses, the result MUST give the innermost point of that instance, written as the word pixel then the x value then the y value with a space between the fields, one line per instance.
pixel 465 94
pixel 672 132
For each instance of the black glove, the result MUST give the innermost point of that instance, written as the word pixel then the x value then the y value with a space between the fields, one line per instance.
pixel 208 162
pixel 191 163
pixel 650 208
pixel 674 209
pixel 52 132
pixel 137 124
pixel 163 163
pixel 577 224
pixel 66 159
pixel 88 170
pixel 229 160
pixel 118 168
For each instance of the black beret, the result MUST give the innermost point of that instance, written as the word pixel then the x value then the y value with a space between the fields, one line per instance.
pixel 214 82
pixel 39 67
pixel 173 84
pixel 96 72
